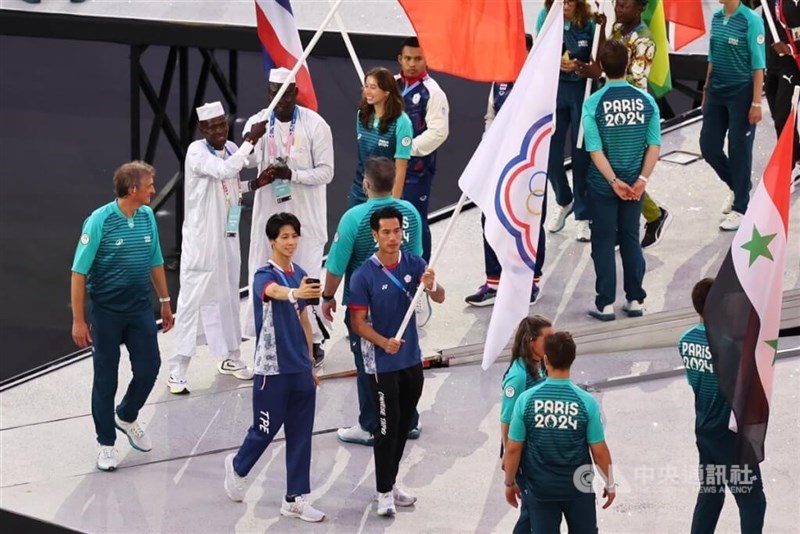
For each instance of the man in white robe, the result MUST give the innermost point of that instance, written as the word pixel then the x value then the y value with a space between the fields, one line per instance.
pixel 208 309
pixel 295 157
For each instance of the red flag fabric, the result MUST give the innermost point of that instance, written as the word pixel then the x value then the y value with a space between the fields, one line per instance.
pixel 481 40
pixel 687 16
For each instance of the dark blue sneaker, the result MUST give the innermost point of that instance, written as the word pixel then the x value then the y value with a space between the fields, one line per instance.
pixel 485 296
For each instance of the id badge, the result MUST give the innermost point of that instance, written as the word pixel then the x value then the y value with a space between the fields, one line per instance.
pixel 234 215
pixel 282 190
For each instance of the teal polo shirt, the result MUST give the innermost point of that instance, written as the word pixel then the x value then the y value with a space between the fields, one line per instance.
pixel 736 48
pixel 621 121
pixel 556 421
pixel 117 255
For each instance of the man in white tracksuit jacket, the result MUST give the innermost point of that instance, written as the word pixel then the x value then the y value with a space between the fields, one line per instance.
pixel 296 158
pixel 208 309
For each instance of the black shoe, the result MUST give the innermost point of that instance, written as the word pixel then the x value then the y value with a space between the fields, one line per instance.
pixel 654 231
pixel 485 296
pixel 319 355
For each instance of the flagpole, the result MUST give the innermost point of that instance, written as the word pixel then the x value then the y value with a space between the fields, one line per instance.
pixel 460 205
pixel 770 21
pixel 302 59
pixel 349 45
pixel 434 260
pixel 588 90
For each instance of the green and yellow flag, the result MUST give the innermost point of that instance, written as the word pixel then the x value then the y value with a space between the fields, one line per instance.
pixel 660 81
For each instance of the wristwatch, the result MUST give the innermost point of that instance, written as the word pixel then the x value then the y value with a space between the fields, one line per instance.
pixel 328 298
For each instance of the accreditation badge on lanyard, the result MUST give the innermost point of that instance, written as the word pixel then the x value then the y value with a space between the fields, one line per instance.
pixel 234 208
pixel 282 189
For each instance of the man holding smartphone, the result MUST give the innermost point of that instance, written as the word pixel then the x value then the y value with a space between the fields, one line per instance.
pixel 285 386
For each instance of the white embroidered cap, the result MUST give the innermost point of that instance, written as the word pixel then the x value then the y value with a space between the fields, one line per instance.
pixel 210 111
pixel 280 75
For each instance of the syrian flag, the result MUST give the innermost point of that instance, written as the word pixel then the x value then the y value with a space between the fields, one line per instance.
pixel 743 308
pixel 507 176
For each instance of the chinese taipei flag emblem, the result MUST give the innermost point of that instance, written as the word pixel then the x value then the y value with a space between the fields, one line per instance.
pixel 743 309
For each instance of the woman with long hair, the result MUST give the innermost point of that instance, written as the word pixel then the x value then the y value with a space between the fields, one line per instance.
pixel 579 26
pixel 525 371
pixel 383 129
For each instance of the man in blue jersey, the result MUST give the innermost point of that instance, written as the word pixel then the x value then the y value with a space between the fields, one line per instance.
pixel 623 134
pixel 732 102
pixel 285 386
pixel 381 291
pixel 352 245
pixel 716 443
pixel 117 257
pixel 556 434
pixel 427 107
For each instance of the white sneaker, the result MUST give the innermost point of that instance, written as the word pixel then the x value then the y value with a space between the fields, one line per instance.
pixel 235 486
pixel 424 310
pixel 386 504
pixel 583 232
pixel 302 509
pixel 633 308
pixel 237 368
pixel 136 436
pixel 731 222
pixel 177 386
pixel 727 206
pixel 401 498
pixel 107 458
pixel 355 434
pixel 559 217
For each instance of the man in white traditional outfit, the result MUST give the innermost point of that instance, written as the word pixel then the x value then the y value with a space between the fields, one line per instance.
pixel 295 157
pixel 208 303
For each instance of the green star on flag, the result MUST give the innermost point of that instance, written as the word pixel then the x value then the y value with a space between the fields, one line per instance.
pixel 759 246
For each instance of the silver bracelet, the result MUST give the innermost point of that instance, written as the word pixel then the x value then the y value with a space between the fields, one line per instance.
pixel 163 300
pixel 643 178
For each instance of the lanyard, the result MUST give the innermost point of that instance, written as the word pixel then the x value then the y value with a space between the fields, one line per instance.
pixel 284 280
pixel 225 189
pixel 273 152
pixel 374 259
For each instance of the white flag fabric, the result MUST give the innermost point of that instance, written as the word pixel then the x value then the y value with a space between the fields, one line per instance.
pixel 507 179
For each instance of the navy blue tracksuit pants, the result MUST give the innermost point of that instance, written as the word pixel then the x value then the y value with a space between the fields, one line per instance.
pixel 728 115
pixel 417 190
pixel 545 516
pixel 282 400
pixel 138 332
pixel 718 470
pixel 616 219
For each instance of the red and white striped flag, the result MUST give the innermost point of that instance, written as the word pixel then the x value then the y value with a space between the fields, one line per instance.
pixel 743 308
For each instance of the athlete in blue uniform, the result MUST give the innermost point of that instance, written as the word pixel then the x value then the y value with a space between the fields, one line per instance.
pixel 716 443
pixel 525 371
pixel 285 385
pixel 554 428
pixel 380 294
pixel 732 102
pixel 383 130
pixel 623 134
pixel 117 257
pixel 427 107
pixel 352 246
